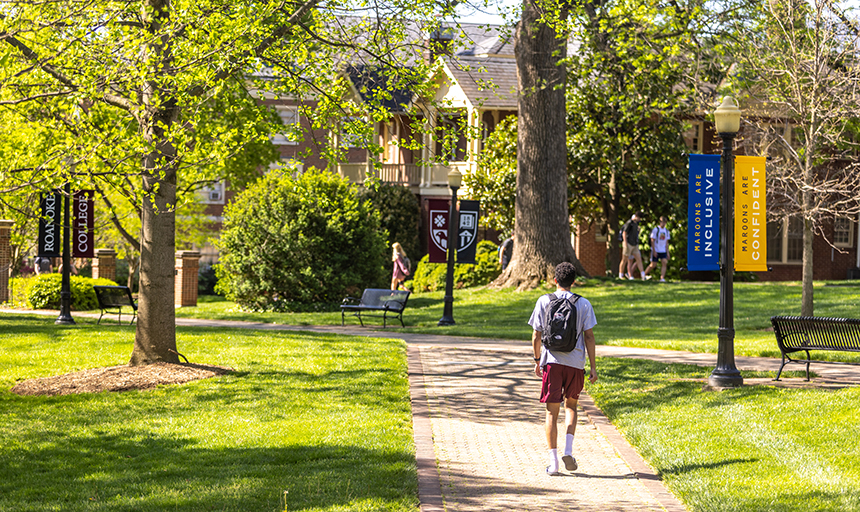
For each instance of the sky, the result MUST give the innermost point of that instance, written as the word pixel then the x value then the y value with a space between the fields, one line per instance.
pixel 486 11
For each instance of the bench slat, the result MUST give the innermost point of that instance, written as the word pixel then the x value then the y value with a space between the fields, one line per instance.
pixel 391 302
pixel 802 334
pixel 115 298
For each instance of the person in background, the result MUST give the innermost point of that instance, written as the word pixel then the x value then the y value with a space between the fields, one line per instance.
pixel 401 266
pixel 506 250
pixel 659 249
pixel 630 234
pixel 43 265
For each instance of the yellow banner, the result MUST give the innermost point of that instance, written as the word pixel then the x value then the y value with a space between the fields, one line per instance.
pixel 750 214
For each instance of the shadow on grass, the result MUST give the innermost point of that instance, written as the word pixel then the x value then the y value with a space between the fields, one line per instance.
pixel 687 468
pixel 141 470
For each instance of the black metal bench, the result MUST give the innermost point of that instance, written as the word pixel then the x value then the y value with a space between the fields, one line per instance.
pixel 112 299
pixel 805 333
pixel 390 302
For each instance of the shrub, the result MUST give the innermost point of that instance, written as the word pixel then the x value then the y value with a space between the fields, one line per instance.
pixel 431 276
pixel 399 214
pixel 207 280
pixel 290 242
pixel 43 291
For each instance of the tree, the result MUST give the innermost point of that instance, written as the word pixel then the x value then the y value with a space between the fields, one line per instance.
pixel 542 232
pixel 293 243
pixel 798 71
pixel 628 89
pixel 129 82
pixel 494 183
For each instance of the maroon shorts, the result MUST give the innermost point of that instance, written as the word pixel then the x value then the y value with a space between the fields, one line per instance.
pixel 560 382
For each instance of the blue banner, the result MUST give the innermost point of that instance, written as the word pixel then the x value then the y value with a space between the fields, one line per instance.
pixel 703 213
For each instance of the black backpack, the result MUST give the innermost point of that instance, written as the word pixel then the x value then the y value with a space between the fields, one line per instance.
pixel 559 324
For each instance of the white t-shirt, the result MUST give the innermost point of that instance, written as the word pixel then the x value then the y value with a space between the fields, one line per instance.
pixel 585 320
pixel 661 235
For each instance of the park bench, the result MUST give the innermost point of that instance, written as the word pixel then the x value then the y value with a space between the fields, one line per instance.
pixel 389 302
pixel 112 299
pixel 805 333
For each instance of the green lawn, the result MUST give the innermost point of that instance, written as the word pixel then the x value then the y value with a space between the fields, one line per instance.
pixel 326 418
pixel 675 316
pixel 757 448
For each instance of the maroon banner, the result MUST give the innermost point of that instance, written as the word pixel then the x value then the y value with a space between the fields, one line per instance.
pixel 438 229
pixel 82 227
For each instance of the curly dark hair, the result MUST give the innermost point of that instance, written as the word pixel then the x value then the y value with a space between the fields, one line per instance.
pixel 565 274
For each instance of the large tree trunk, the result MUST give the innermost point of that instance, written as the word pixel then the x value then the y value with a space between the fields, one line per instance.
pixel 542 230
pixel 155 337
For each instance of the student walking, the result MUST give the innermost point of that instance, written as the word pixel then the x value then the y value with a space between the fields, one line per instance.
pixel 630 237
pixel 659 249
pixel 562 373
pixel 401 266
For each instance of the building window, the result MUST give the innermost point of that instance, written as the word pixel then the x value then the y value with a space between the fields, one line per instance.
pixel 451 137
pixel 693 137
pixel 212 194
pixel 290 117
pixel 843 232
pixel 785 240
pixel 351 132
pixel 600 230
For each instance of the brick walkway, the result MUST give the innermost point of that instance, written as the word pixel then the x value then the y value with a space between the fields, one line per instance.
pixel 487 431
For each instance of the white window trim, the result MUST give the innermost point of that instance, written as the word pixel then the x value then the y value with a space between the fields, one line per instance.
pixel 213 194
pixel 850 242
pixel 289 116
pixel 784 243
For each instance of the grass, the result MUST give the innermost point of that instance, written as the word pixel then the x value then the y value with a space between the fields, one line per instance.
pixel 326 418
pixel 673 316
pixel 750 449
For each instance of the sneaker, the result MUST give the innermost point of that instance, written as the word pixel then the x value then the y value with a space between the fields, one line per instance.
pixel 552 473
pixel 631 278
pixel 662 280
pixel 569 463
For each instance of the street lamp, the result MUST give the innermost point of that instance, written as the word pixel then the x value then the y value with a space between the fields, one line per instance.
pixel 727 118
pixel 455 178
pixel 65 317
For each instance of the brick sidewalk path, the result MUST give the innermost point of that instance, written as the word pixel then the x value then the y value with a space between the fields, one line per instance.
pixel 487 430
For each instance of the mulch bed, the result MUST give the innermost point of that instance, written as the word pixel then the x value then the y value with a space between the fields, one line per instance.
pixel 119 378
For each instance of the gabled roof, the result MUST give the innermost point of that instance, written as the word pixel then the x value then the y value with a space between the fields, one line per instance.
pixel 375 87
pixel 488 83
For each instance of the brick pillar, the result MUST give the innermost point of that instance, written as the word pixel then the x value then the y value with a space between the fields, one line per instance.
pixel 187 264
pixel 5 258
pixel 104 264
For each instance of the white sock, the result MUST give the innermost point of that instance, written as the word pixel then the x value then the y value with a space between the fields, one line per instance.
pixel 553 461
pixel 568 444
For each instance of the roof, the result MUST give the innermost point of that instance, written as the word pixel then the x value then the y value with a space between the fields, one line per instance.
pixel 371 84
pixel 487 82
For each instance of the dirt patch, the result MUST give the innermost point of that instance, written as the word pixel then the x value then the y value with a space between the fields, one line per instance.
pixel 118 378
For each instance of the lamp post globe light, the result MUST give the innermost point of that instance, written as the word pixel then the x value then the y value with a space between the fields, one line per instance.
pixel 727 118
pixel 455 178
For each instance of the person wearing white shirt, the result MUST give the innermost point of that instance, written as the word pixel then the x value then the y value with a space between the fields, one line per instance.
pixel 659 249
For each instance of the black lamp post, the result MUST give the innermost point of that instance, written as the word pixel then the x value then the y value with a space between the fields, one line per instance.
pixel 66 290
pixel 727 118
pixel 454 180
